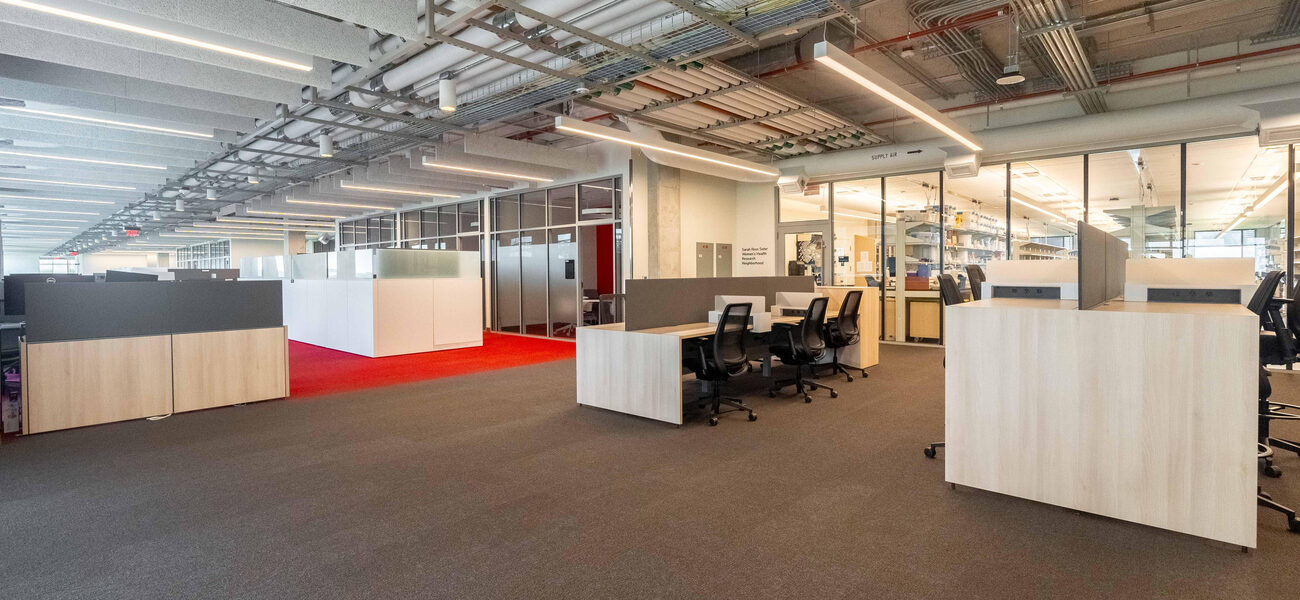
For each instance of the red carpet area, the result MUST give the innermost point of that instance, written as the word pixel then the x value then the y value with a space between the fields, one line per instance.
pixel 314 370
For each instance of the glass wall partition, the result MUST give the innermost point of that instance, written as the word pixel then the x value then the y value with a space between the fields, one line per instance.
pixel 1136 196
pixel 1046 202
pixel 912 309
pixel 1237 201
pixel 561 269
pixel 975 222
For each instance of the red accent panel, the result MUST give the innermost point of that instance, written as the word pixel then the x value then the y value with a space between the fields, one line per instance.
pixel 605 259
pixel 314 370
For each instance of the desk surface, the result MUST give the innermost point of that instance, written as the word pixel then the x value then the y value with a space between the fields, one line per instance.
pixel 1112 306
pixel 690 330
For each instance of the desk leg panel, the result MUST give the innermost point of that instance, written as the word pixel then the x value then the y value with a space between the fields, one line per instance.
pixel 628 372
pixel 88 382
pixel 221 368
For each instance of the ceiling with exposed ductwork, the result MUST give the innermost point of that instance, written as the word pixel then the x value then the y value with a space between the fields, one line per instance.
pixel 287 115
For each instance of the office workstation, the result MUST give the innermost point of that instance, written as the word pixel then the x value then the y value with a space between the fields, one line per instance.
pixel 650 299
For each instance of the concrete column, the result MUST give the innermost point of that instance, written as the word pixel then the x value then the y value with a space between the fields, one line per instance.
pixel 663 220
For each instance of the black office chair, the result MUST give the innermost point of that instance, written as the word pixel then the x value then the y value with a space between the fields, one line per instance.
pixel 843 331
pixel 721 357
pixel 1277 346
pixel 950 295
pixel 801 348
pixel 975 275
pixel 1265 455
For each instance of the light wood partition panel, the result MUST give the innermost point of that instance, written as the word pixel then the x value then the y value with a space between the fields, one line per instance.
pixel 631 372
pixel 88 382
pixel 221 368
pixel 865 353
pixel 1138 411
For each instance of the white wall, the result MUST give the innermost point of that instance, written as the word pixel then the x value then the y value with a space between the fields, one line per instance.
pixel 99 263
pixel 708 214
pixel 755 251
pixel 21 262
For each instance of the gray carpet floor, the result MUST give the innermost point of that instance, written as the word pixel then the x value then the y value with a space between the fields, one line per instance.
pixel 497 485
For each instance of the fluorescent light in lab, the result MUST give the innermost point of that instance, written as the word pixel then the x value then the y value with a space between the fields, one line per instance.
pixel 844 64
pixel 108 122
pixel 369 188
pixel 440 165
pixel 292 214
pixel 338 204
pixel 274 222
pixel 82 160
pixel 88 185
pixel 1037 208
pixel 584 128
pixel 154 33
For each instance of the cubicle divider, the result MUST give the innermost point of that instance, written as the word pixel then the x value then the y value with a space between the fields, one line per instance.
pixel 654 303
pixel 98 353
pixel 1102 260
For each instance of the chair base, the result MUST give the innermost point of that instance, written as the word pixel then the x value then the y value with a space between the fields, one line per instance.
pixel 933 449
pixel 836 367
pixel 1283 444
pixel 1263 499
pixel 718 401
pixel 801 385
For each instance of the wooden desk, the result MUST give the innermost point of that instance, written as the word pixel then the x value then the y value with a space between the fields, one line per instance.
pixel 1140 411
pixel 639 372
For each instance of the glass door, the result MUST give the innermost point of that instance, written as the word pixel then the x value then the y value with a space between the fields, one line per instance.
pixel 805 250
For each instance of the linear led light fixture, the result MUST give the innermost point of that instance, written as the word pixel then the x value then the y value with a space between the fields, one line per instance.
pixel 47 199
pixel 584 128
pixel 44 226
pixel 108 122
pixel 368 188
pixel 844 64
pixel 337 204
pixel 280 213
pixel 18 218
pixel 69 183
pixel 82 160
pixel 445 166
pixel 274 222
pixel 253 228
pixel 48 211
pixel 216 236
pixel 1037 208
pixel 154 33
pixel 206 231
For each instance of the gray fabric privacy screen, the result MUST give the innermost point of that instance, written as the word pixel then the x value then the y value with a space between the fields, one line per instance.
pixel 61 312
pixel 663 302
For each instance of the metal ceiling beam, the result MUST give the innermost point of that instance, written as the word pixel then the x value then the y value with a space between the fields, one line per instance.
pixel 582 33
pixel 712 19
pixel 502 56
pixel 287 117
pixel 668 127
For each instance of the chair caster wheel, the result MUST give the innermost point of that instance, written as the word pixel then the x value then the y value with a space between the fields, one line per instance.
pixel 713 421
pixel 1272 471
pixel 1294 527
pixel 835 394
pixel 771 393
pixel 807 398
pixel 929 452
pixel 753 417
pixel 848 377
pixel 864 373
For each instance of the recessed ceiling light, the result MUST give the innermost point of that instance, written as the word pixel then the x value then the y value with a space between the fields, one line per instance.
pixel 69 183
pixel 154 33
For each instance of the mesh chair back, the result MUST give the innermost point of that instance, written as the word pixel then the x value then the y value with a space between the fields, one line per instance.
pixel 810 332
pixel 847 321
pixel 975 274
pixel 948 291
pixel 1267 287
pixel 729 340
